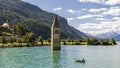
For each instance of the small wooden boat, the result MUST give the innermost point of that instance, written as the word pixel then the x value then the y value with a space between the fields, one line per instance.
pixel 80 61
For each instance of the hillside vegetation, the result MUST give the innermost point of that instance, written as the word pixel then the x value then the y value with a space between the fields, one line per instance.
pixel 38 20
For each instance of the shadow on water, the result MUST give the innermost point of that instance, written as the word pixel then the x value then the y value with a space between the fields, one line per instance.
pixel 55 59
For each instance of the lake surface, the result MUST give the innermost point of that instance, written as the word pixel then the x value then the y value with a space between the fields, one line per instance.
pixel 43 57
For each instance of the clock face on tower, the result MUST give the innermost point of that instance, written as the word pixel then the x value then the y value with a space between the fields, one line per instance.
pixel 56 32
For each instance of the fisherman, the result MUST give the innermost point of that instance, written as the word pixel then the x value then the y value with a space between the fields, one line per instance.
pixel 83 60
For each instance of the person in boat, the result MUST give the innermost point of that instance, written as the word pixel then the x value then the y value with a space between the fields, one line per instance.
pixel 83 60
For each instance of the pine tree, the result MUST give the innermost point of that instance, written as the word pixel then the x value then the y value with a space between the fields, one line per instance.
pixel 112 41
pixel 3 40
pixel 40 39
pixel 11 40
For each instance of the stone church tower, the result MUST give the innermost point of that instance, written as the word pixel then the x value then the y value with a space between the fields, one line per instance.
pixel 55 35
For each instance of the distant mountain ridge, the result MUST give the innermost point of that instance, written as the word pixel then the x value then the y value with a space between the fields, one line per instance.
pixel 109 35
pixel 40 21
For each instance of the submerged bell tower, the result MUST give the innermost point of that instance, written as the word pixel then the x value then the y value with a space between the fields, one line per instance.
pixel 55 35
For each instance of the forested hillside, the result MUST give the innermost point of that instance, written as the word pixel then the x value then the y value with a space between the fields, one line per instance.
pixel 38 20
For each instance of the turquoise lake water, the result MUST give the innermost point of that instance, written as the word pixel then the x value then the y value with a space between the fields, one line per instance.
pixel 43 57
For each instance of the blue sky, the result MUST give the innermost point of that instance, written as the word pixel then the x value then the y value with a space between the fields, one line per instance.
pixel 90 16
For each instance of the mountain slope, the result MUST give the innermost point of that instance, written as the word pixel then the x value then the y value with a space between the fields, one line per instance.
pixel 40 21
pixel 79 32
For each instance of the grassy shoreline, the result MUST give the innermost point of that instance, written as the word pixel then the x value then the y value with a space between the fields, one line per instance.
pixel 39 44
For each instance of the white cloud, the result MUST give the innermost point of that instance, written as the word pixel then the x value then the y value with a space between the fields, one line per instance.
pixel 116 18
pixel 73 11
pixel 94 1
pixel 113 2
pixel 99 28
pixel 89 16
pixel 114 11
pixel 102 19
pixel 57 9
pixel 70 19
pixel 84 9
pixel 70 11
pixel 107 2
pixel 98 10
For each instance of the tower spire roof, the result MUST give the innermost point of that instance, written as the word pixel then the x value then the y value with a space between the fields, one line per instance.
pixel 55 22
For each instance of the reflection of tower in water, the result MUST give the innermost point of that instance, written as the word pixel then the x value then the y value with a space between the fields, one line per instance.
pixel 55 59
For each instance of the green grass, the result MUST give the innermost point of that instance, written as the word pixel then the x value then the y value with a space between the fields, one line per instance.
pixel 44 43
